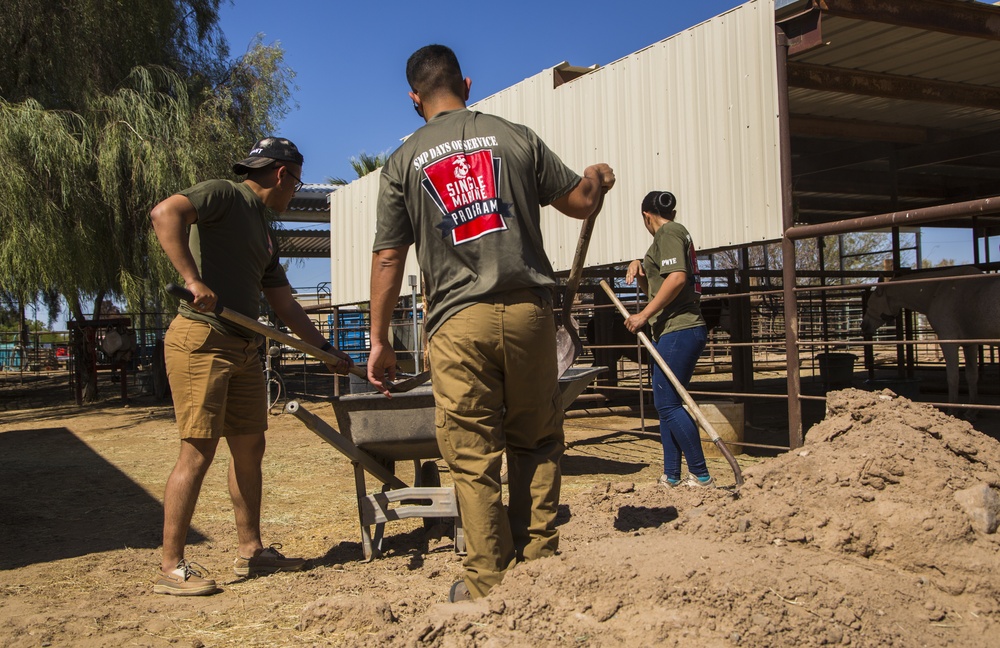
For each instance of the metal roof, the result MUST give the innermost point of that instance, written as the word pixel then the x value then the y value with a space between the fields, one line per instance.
pixel 893 105
pixel 304 244
pixel 311 204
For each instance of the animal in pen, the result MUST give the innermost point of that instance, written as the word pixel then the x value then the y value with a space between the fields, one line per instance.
pixel 957 309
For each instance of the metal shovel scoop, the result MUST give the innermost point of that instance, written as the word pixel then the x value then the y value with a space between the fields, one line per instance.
pixel 568 344
pixel 272 333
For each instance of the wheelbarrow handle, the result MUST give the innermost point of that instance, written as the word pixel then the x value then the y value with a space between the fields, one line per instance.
pixel 267 331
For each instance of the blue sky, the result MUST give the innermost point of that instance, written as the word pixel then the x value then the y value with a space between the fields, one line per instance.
pixel 350 58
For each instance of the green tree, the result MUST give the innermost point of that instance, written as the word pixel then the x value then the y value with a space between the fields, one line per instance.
pixel 855 251
pixel 89 176
pixel 89 152
pixel 363 164
pixel 89 180
pixel 60 52
pixel 926 264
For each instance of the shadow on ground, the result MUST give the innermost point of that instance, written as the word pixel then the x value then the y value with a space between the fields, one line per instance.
pixel 62 500
pixel 633 518
pixel 581 457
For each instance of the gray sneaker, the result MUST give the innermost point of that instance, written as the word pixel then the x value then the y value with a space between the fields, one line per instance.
pixel 697 482
pixel 459 592
pixel 185 580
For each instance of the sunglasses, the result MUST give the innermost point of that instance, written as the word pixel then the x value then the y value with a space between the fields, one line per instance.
pixel 298 180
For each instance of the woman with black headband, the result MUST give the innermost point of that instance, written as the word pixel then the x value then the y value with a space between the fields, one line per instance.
pixel 669 276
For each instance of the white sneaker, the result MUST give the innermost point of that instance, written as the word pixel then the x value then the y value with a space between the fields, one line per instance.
pixel 698 483
pixel 668 483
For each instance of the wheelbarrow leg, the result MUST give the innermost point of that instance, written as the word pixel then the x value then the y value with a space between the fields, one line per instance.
pixel 370 549
pixel 459 536
pixel 380 529
pixel 428 475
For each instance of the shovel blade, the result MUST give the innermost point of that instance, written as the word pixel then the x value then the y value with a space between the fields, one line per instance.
pixel 568 344
pixel 412 382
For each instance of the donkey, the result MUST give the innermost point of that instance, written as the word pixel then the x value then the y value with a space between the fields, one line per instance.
pixel 956 310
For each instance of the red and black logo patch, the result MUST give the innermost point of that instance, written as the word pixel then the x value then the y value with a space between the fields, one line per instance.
pixel 464 187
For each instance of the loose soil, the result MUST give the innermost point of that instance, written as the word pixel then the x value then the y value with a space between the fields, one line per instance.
pixel 878 532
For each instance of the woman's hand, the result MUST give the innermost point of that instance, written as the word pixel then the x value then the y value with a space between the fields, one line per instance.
pixel 634 323
pixel 634 270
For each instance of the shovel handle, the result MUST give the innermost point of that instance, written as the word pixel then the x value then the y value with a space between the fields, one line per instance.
pixel 685 396
pixel 582 245
pixel 268 331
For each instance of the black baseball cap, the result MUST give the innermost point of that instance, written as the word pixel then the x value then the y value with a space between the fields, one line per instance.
pixel 267 151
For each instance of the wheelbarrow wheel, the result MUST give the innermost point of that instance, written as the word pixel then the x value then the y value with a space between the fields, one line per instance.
pixel 430 477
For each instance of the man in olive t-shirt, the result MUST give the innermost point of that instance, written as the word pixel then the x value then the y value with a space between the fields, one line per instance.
pixel 465 189
pixel 217 234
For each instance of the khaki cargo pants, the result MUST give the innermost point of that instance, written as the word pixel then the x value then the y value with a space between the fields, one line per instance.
pixel 495 382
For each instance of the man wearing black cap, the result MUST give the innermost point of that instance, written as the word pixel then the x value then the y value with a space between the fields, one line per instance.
pixel 218 236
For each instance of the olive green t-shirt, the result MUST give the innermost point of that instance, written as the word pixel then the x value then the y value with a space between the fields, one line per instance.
pixel 673 251
pixel 234 248
pixel 465 189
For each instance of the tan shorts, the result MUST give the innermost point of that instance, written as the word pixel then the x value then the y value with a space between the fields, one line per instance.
pixel 216 381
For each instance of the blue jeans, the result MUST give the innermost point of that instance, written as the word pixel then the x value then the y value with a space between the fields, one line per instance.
pixel 678 431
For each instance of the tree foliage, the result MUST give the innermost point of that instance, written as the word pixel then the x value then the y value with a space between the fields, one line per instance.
pixel 61 52
pixel 363 164
pixel 86 159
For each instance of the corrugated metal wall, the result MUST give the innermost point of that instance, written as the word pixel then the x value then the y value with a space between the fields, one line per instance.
pixel 695 114
pixel 352 234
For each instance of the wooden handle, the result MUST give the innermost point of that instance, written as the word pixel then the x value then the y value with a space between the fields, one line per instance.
pixel 582 245
pixel 269 332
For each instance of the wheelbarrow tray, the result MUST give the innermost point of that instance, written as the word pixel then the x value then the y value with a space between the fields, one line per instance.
pixel 403 427
pixel 394 429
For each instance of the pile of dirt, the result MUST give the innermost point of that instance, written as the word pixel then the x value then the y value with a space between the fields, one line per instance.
pixel 881 530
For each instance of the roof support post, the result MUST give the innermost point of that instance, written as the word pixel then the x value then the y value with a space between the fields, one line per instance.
pixel 788 247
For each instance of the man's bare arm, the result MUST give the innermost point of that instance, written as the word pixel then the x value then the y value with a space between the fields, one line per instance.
pixel 289 311
pixel 584 198
pixel 386 282
pixel 171 219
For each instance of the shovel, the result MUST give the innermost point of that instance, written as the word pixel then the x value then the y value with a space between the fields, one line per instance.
pixel 691 406
pixel 272 333
pixel 568 344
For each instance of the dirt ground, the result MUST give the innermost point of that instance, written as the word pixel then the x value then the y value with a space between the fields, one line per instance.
pixel 880 531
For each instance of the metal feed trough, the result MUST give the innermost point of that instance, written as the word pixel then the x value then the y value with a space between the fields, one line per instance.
pixel 376 432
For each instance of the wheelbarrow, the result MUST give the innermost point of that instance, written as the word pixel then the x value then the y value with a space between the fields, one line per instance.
pixel 376 432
